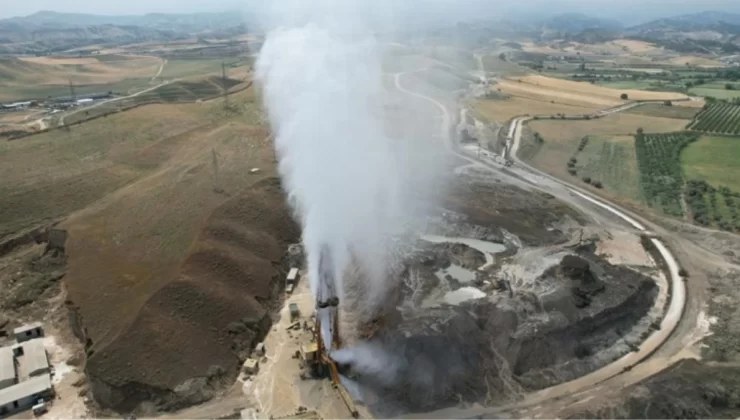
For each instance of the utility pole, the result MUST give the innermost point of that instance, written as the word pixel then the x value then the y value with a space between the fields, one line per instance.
pixel 72 91
pixel 223 84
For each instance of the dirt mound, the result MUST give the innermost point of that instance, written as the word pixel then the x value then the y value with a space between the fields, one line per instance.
pixel 192 335
pixel 531 216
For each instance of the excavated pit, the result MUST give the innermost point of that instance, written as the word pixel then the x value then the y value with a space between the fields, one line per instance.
pixel 471 325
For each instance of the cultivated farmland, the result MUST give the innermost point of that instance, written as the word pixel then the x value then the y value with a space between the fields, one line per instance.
pixel 713 206
pixel 714 160
pixel 661 176
pixel 720 118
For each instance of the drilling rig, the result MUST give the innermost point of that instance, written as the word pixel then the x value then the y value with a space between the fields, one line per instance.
pixel 326 331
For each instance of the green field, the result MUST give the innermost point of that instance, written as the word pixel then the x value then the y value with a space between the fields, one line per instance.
pixel 494 64
pixel 627 84
pixel 661 174
pixel 719 93
pixel 613 162
pixel 720 118
pixel 179 67
pixel 123 87
pixel 660 110
pixel 715 160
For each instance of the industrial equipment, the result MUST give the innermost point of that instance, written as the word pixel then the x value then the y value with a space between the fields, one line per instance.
pixel 315 355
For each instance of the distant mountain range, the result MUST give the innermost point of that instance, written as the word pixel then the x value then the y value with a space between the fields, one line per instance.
pixel 190 23
pixel 698 32
pixel 45 32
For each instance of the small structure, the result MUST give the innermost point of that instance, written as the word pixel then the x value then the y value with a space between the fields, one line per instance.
pixel 28 332
pixel 8 376
pixel 289 289
pixel 39 408
pixel 251 366
pixel 309 353
pixel 25 394
pixel 260 349
pixel 293 276
pixel 15 106
pixel 295 313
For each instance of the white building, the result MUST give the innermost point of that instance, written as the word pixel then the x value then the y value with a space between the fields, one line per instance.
pixel 28 332
pixel 25 372
pixel 25 394
pixel 8 375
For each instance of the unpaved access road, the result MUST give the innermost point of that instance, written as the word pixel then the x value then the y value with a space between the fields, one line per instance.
pixel 620 366
pixel 87 108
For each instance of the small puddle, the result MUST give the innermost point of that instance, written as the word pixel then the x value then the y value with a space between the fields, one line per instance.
pixel 487 248
pixel 461 274
pixel 463 294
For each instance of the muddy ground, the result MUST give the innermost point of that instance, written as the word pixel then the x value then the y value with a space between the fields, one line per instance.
pixel 574 313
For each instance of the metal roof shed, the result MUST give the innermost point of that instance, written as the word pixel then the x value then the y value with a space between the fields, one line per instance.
pixel 34 387
pixel 7 368
pixel 34 360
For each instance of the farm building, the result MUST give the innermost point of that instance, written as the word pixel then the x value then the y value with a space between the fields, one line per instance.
pixel 73 100
pixel 28 332
pixel 15 106
pixel 8 376
pixel 32 359
pixel 25 394
pixel 25 376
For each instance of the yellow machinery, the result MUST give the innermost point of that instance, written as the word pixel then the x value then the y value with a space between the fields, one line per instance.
pixel 316 354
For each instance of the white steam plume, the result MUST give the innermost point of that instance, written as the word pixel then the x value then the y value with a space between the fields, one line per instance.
pixel 354 186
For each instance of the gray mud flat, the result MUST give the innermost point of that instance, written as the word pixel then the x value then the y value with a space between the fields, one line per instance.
pixel 497 344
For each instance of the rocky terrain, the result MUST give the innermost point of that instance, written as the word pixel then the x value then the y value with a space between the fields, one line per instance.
pixel 688 390
pixel 502 334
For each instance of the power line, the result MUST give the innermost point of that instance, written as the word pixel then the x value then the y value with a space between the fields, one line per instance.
pixel 223 81
pixel 72 90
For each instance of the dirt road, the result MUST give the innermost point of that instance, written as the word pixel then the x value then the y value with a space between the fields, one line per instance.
pixel 61 119
pixel 161 67
pixel 626 363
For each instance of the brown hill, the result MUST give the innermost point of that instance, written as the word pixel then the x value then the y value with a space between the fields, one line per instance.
pixel 192 335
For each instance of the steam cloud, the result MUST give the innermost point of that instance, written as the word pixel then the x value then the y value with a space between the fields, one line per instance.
pixel 355 185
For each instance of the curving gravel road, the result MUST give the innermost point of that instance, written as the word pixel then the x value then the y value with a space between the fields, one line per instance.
pixel 624 364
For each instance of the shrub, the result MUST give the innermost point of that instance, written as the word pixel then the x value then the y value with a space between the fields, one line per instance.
pixel 624 96
pixel 640 130
pixel 597 184
pixel 572 171
pixel 683 273
pixel 668 103
pixel 586 179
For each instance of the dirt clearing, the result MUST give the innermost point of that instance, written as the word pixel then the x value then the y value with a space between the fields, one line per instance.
pixel 505 109
pixel 579 93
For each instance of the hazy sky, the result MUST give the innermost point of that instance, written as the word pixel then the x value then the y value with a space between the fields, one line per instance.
pixel 631 10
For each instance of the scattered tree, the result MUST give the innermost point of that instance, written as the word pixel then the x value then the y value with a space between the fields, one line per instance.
pixel 572 171
pixel 586 179
pixel 668 103
pixel 597 184
pixel 624 96
pixel 729 86
pixel 640 130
